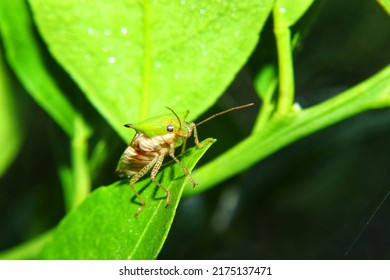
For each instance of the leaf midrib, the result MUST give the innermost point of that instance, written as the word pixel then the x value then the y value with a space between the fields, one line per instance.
pixel 146 63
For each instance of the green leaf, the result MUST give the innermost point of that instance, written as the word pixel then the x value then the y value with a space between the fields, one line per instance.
pixel 266 81
pixel 385 4
pixel 24 54
pixel 132 58
pixel 30 250
pixel 104 226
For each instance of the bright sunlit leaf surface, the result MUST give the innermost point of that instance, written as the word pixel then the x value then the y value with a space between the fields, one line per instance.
pixel 131 58
pixel 104 226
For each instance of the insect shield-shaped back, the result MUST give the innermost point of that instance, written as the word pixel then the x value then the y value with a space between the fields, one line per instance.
pixel 155 139
pixel 154 136
pixel 160 125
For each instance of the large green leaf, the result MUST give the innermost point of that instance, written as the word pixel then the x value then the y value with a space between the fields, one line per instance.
pixel 24 54
pixel 385 4
pixel 131 58
pixel 104 226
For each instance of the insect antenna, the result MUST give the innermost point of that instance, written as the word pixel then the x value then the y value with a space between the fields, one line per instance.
pixel 170 109
pixel 224 112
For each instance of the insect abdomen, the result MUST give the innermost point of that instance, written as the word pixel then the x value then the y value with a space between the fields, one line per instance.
pixel 132 161
pixel 140 152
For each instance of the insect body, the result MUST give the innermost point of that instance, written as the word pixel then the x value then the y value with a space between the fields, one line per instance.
pixel 156 138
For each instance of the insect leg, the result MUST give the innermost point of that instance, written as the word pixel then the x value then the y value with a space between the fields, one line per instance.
pixel 153 174
pixel 183 145
pixel 197 143
pixel 196 136
pixel 136 177
pixel 172 154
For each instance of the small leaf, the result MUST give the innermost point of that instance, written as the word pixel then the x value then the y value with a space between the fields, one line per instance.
pixel 104 226
pixel 265 81
pixel 132 58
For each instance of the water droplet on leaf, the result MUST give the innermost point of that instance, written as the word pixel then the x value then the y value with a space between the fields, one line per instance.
pixel 91 31
pixel 111 59
pixel 124 30
pixel 107 32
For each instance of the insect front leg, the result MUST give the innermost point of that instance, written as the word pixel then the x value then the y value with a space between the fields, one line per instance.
pixel 136 177
pixel 197 143
pixel 196 136
pixel 172 154
pixel 154 172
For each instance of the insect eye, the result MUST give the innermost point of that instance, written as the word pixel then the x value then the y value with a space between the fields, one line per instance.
pixel 170 128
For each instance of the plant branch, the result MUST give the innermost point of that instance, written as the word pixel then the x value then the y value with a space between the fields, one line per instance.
pixel 373 93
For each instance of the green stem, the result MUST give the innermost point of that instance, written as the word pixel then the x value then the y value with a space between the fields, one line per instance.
pixel 147 61
pixel 100 154
pixel 285 62
pixel 79 147
pixel 371 94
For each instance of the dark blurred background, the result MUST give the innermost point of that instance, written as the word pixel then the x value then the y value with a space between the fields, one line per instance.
pixel 310 200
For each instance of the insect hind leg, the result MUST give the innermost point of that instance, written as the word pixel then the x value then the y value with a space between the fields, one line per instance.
pixel 135 178
pixel 153 174
pixel 140 199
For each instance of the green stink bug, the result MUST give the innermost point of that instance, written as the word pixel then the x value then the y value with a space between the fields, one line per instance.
pixel 156 138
